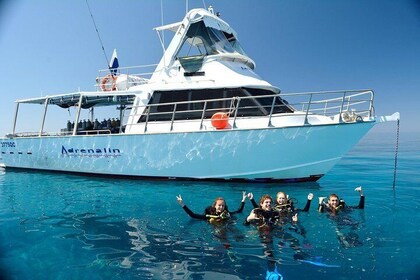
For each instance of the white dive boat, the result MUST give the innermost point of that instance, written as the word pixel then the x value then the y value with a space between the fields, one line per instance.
pixel 202 113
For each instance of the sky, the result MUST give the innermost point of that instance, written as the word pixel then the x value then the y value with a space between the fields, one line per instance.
pixel 51 47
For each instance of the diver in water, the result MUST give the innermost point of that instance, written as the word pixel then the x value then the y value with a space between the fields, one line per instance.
pixel 334 204
pixel 265 218
pixel 263 215
pixel 344 222
pixel 220 217
pixel 285 207
pixel 216 213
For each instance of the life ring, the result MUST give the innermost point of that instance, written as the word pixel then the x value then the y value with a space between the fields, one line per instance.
pixel 105 84
pixel 219 120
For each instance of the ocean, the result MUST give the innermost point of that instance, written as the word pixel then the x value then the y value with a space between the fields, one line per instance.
pixel 61 226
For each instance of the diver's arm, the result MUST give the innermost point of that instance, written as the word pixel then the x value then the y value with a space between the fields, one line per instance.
pixel 251 197
pixel 308 203
pixel 192 214
pixel 307 206
pixel 321 204
pixel 362 198
pixel 252 216
pixel 241 207
pixel 254 204
pixel 361 202
pixel 187 210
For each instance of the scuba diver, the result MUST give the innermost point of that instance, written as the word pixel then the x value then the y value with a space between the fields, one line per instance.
pixel 263 215
pixel 265 218
pixel 334 206
pixel 285 207
pixel 216 213
pixel 220 217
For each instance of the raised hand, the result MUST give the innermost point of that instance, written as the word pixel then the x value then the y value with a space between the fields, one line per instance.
pixel 250 195
pixel 243 196
pixel 179 199
pixel 359 189
pixel 310 196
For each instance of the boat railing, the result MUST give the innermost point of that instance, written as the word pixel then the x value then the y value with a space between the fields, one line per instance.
pixel 338 106
pixel 124 77
pixel 357 104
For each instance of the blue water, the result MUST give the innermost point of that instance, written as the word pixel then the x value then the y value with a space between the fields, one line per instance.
pixel 56 226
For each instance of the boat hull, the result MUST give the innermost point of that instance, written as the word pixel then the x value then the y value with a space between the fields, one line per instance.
pixel 278 154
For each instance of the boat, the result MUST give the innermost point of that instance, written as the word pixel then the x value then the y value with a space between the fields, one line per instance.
pixel 201 113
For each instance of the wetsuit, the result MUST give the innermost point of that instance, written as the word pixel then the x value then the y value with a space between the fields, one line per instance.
pixel 265 218
pixel 287 208
pixel 290 208
pixel 341 206
pixel 210 214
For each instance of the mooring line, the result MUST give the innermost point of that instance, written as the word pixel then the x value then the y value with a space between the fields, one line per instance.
pixel 396 153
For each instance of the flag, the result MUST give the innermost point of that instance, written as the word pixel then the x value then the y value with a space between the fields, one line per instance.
pixel 113 63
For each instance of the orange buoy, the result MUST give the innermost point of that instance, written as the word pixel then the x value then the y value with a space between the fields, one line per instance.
pixel 219 120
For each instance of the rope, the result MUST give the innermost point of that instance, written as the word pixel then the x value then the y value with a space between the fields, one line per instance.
pixel 161 21
pixel 97 32
pixel 233 105
pixel 396 153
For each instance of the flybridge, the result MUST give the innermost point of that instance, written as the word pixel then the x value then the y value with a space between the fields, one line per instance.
pixel 201 34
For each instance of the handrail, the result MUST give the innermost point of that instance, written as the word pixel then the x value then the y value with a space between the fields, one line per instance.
pixel 330 104
pixel 127 73
pixel 307 110
pixel 346 102
pixel 271 111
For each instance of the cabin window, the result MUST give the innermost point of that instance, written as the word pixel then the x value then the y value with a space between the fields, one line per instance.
pixel 202 40
pixel 196 42
pixel 190 103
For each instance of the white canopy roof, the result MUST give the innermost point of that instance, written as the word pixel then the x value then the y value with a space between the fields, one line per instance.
pixel 172 27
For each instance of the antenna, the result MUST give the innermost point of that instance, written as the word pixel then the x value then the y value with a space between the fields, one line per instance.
pixel 161 17
pixel 97 32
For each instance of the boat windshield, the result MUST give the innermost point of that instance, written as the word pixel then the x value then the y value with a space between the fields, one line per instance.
pixel 194 104
pixel 202 40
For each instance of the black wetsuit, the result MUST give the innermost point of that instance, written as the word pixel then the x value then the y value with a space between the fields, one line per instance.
pixel 287 208
pixel 210 214
pixel 265 218
pixel 341 206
